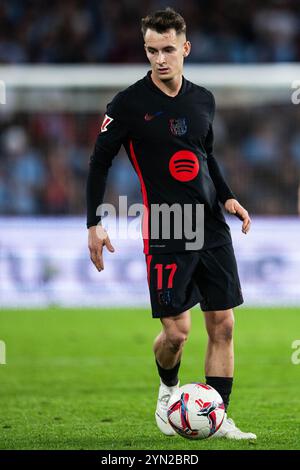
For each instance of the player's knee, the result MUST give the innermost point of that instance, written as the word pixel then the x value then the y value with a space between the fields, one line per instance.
pixel 176 331
pixel 227 330
pixel 222 331
pixel 176 340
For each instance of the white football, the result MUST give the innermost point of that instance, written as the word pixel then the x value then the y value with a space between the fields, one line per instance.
pixel 196 411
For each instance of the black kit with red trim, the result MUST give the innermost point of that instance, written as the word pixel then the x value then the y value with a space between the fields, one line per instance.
pixel 169 142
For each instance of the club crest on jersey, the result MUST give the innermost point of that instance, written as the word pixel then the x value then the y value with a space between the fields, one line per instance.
pixel 178 126
pixel 164 297
pixel 106 121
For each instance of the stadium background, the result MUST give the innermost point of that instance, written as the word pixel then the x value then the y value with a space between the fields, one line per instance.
pixel 61 62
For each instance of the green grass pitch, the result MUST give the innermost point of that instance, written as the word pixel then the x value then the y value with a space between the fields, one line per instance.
pixel 86 379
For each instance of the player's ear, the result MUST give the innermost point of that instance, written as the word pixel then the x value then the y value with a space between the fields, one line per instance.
pixel 186 48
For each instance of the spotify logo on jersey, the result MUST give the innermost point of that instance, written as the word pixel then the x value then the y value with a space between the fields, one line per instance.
pixel 184 166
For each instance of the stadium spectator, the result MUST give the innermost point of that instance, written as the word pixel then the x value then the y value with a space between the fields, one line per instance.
pixel 259 155
pixel 93 31
pixel 258 149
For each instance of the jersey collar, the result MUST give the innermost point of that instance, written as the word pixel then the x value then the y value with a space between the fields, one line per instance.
pixel 152 85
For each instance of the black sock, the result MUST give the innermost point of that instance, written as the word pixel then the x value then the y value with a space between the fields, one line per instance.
pixel 168 376
pixel 223 385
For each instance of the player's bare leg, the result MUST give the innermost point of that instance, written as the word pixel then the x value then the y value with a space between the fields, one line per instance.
pixel 219 361
pixel 219 365
pixel 168 347
pixel 169 343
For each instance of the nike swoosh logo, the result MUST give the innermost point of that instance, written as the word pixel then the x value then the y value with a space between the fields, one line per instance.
pixel 149 117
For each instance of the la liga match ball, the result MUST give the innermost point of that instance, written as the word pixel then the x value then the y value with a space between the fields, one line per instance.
pixel 196 411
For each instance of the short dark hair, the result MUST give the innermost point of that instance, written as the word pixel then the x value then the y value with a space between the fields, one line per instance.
pixel 163 20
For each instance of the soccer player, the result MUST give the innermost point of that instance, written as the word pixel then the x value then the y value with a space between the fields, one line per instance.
pixel 165 124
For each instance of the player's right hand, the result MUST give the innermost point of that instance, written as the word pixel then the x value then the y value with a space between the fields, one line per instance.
pixel 98 237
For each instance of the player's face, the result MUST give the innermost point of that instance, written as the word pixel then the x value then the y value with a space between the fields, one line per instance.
pixel 166 53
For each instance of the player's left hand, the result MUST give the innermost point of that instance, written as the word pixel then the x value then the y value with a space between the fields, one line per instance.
pixel 234 207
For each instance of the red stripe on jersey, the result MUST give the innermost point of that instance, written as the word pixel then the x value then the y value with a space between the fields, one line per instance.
pixel 148 261
pixel 145 223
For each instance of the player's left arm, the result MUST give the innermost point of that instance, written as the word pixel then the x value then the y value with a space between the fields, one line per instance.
pixel 234 207
pixel 224 192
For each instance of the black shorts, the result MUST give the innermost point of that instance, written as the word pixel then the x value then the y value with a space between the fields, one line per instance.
pixel 178 281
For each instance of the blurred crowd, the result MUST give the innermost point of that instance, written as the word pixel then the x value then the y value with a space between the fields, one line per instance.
pixel 95 31
pixel 44 161
pixel 44 157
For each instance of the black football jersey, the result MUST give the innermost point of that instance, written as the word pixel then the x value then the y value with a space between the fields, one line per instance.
pixel 169 142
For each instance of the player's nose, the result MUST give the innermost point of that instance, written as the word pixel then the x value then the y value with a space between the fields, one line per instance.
pixel 160 58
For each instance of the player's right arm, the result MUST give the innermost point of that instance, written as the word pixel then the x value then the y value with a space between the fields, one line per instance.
pixel 98 238
pixel 112 134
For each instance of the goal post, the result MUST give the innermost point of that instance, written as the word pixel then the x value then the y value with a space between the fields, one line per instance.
pixel 87 87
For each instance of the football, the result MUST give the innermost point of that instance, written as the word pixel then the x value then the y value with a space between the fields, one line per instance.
pixel 196 411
